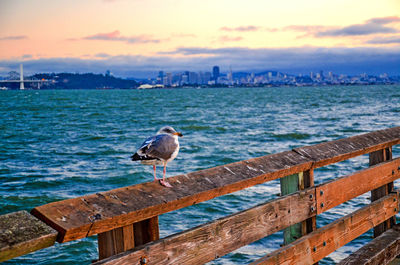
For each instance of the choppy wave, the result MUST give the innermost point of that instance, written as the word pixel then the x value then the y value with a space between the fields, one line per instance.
pixel 62 144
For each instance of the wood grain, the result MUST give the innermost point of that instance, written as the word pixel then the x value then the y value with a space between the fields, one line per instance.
pixel 215 239
pixel 291 184
pixel 92 214
pixel 125 238
pixel 375 158
pixel 337 191
pixel 320 243
pixel 379 251
pixel 335 151
pixel 22 233
pixel 96 213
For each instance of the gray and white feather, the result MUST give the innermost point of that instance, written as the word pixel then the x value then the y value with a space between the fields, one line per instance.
pixel 159 149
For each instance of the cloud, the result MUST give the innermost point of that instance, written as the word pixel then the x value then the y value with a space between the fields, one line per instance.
pixel 15 37
pixel 370 60
pixel 229 39
pixel 102 55
pixel 241 28
pixel 372 26
pixel 360 29
pixel 384 20
pixel 369 27
pixel 116 36
pixel 385 40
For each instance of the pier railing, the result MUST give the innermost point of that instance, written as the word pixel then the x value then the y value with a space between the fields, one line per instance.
pixel 126 219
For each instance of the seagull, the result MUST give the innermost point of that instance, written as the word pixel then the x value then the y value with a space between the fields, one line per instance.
pixel 159 150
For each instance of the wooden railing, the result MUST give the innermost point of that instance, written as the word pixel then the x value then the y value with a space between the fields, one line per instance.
pixel 126 219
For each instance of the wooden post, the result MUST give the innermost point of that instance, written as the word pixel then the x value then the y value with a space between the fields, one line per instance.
pixel 376 158
pixel 124 238
pixel 310 224
pixel 291 184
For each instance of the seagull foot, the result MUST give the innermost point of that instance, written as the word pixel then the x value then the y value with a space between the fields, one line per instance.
pixel 165 183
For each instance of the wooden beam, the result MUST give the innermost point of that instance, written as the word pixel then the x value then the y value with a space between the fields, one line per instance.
pixel 379 251
pixel 375 158
pixel 340 190
pixel 291 184
pixel 115 241
pixel 310 224
pixel 217 238
pixel 92 214
pixel 320 243
pixel 125 238
pixel 335 151
pixel 22 233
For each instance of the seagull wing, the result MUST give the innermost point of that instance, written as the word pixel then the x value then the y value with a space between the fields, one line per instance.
pixel 162 147
pixel 159 147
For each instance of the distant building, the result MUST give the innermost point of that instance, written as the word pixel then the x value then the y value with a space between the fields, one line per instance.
pixel 160 77
pixel 167 80
pixel 215 73
pixel 185 78
pixel 206 77
pixel 193 78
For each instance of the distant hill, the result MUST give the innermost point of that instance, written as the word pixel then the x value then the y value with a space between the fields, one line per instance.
pixel 85 81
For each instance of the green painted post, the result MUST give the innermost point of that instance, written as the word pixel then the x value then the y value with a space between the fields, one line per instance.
pixel 291 184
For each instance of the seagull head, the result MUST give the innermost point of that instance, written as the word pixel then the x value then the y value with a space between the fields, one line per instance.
pixel 169 130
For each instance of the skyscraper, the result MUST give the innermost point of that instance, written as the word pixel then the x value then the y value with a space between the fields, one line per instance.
pixel 215 73
pixel 160 77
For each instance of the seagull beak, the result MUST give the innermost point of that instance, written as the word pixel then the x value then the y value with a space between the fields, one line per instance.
pixel 178 133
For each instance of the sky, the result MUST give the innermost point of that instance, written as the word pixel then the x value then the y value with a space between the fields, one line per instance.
pixel 138 38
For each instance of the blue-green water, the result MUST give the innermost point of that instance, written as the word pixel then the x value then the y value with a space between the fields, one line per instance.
pixel 56 145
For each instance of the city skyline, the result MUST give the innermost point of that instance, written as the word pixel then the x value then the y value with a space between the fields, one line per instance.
pixel 190 79
pixel 137 38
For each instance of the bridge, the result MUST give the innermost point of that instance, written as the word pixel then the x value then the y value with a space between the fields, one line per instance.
pixel 21 80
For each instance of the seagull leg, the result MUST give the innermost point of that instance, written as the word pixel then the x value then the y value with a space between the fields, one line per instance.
pixel 162 181
pixel 154 168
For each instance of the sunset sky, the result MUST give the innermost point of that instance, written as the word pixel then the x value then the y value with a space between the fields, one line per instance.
pixel 140 37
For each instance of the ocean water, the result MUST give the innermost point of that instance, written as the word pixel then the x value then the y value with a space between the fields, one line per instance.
pixel 60 144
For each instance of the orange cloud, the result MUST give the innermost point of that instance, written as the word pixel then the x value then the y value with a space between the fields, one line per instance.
pixel 116 36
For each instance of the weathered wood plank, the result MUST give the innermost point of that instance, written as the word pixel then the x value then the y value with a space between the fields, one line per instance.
pixel 339 150
pixel 125 238
pixel 337 191
pixel 291 184
pixel 380 251
pixel 320 243
pixel 374 159
pixel 22 233
pixel 92 214
pixel 215 239
pixel 310 224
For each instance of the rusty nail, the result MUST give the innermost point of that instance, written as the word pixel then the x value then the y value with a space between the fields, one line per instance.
pixel 321 192
pixel 322 205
